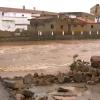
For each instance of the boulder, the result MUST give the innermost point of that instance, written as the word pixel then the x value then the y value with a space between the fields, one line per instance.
pixel 78 77
pixel 13 84
pixel 35 75
pixel 60 89
pixel 91 82
pixel 28 93
pixel 95 61
pixel 62 78
pixel 19 97
pixel 28 79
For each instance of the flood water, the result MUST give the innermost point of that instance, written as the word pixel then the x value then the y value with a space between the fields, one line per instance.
pixel 47 54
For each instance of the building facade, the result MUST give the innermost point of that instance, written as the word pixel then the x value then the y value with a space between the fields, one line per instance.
pixel 95 10
pixel 63 24
pixel 15 18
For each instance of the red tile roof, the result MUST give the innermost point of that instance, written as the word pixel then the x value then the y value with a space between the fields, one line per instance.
pixel 84 20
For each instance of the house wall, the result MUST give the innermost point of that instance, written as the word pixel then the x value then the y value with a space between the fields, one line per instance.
pixel 12 23
pixel 68 27
pixel 15 14
pixel 58 27
pixel 95 10
pixel 86 28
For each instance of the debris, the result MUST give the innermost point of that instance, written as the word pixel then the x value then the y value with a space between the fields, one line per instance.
pixel 27 93
pixel 28 79
pixel 60 89
pixel 95 61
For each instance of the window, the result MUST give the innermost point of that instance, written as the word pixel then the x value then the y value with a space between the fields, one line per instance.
pixel 61 26
pixel 52 26
pixel 75 25
pixel 2 13
pixel 82 25
pixel 23 15
pixel 91 26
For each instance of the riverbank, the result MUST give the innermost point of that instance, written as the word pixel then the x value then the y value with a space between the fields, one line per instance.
pixel 74 84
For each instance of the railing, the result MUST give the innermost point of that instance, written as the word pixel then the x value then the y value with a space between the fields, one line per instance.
pixel 53 35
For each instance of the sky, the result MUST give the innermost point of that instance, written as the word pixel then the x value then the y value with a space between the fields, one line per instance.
pixel 52 5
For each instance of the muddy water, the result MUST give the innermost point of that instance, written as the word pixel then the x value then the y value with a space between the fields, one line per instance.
pixel 76 92
pixel 48 54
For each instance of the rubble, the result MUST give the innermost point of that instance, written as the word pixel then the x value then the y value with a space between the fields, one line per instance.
pixel 13 84
pixel 28 79
pixel 27 93
pixel 60 89
pixel 19 97
pixel 80 72
pixel 43 98
pixel 95 61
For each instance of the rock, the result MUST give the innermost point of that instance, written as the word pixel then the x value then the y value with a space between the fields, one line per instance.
pixel 43 98
pixel 61 77
pixel 78 77
pixel 28 93
pixel 28 79
pixel 13 84
pixel 35 75
pixel 44 82
pixel 91 82
pixel 19 97
pixel 95 61
pixel 60 89
pixel 18 78
pixel 51 78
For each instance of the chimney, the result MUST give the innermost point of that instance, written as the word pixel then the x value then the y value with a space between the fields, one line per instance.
pixel 23 7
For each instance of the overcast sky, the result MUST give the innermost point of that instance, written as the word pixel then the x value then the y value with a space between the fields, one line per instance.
pixel 52 5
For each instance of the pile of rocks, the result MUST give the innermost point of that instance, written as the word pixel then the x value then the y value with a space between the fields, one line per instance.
pixel 81 71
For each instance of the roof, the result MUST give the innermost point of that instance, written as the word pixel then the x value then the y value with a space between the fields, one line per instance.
pixel 76 13
pixel 84 20
pixel 17 10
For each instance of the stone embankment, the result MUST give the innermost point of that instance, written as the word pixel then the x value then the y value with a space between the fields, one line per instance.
pixel 81 72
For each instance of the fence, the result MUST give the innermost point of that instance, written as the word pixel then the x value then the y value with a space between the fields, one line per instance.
pixel 39 35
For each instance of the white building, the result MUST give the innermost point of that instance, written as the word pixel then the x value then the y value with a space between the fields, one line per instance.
pixel 15 18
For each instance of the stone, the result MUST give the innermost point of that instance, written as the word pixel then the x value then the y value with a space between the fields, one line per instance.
pixel 43 98
pixel 13 84
pixel 19 97
pixel 60 77
pixel 91 82
pixel 60 89
pixel 28 93
pixel 88 76
pixel 95 61
pixel 28 79
pixel 35 75
pixel 78 77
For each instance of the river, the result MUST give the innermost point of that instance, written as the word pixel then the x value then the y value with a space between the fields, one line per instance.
pixel 47 54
